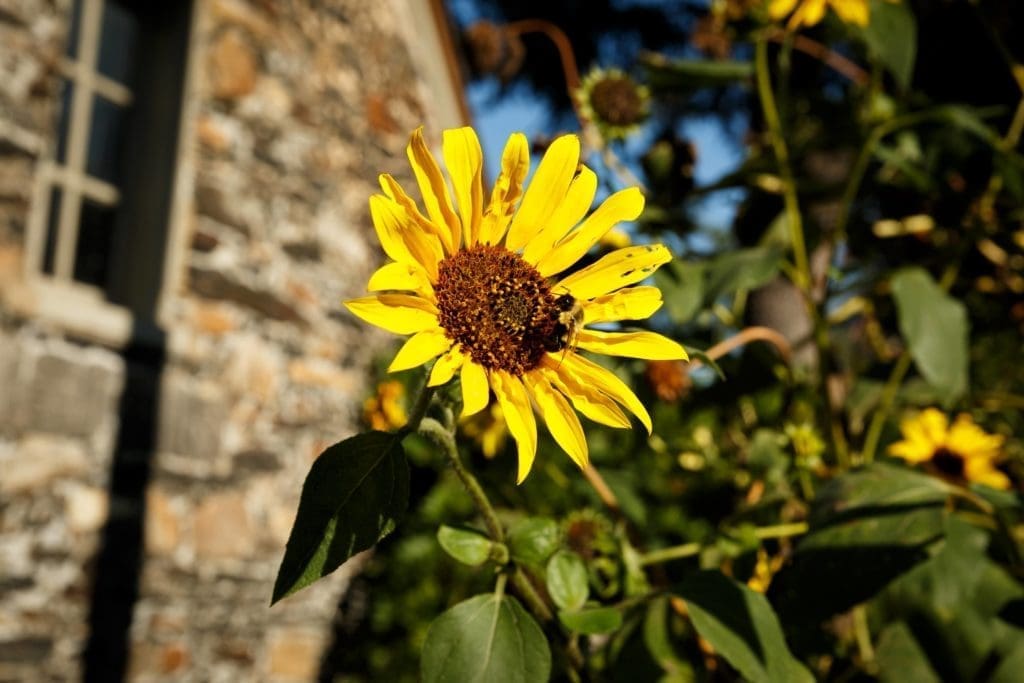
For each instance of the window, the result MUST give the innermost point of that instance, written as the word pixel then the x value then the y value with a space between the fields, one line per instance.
pixel 99 221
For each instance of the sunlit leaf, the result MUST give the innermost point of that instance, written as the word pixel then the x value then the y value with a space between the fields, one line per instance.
pixel 567 580
pixel 466 546
pixel 591 620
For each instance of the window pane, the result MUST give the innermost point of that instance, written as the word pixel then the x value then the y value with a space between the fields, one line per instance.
pixel 118 39
pixel 66 89
pixel 105 140
pixel 74 28
pixel 52 219
pixel 92 254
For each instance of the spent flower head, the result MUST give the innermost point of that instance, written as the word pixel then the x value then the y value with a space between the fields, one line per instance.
pixel 480 286
pixel 614 102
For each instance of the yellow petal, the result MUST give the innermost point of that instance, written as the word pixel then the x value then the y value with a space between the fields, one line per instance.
pixel 570 212
pixel 432 187
pixel 607 383
pixel 852 11
pixel 780 8
pixel 395 192
pixel 406 276
pixel 475 394
pixel 446 367
pixel 647 345
pixel 394 224
pixel 625 205
pixel 615 270
pixel 515 406
pixel 972 441
pixel 982 472
pixel 632 303
pixel 809 13
pixel 420 348
pixel 546 191
pixel 912 452
pixel 515 164
pixel 464 160
pixel 558 415
pixel 398 313
pixel 590 402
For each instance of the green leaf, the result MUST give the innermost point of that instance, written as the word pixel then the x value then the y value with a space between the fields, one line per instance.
pixel 466 546
pixel 592 620
pixel 868 527
pixel 741 269
pixel 486 638
pixel 935 328
pixel 682 287
pixel 567 580
pixel 891 37
pixel 741 626
pixel 900 658
pixel 534 540
pixel 353 496
pixel 706 360
pixel 659 641
pixel 693 74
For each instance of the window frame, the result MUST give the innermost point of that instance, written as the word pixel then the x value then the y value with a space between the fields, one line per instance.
pixel 77 308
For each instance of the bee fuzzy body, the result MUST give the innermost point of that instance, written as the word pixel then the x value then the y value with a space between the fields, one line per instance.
pixel 570 320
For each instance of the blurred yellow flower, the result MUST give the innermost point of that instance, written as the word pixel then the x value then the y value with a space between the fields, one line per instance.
pixel 765 568
pixel 962 451
pixel 488 429
pixel 810 12
pixel 479 285
pixel 385 410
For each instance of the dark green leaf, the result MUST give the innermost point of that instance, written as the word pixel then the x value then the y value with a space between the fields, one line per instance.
pixel 935 328
pixel 592 620
pixel 534 540
pixel 658 638
pixel 353 496
pixel 567 580
pixel 741 626
pixel 466 546
pixel 892 38
pixel 682 287
pixel 486 638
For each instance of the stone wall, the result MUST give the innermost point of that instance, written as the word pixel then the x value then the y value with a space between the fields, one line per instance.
pixel 296 106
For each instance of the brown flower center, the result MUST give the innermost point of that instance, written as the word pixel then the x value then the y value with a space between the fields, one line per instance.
pixel 498 307
pixel 617 101
pixel 948 462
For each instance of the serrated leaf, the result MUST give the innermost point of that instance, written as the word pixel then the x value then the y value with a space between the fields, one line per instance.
pixel 936 330
pixel 534 540
pixel 354 495
pixel 486 638
pixel 567 580
pixel 466 546
pixel 891 36
pixel 591 621
pixel 741 626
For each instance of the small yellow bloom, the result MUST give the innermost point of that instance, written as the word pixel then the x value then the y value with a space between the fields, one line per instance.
pixel 962 451
pixel 764 570
pixel 479 286
pixel 488 429
pixel 810 12
pixel 386 409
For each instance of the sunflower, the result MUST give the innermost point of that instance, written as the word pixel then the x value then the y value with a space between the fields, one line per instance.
pixel 478 287
pixel 963 451
pixel 810 12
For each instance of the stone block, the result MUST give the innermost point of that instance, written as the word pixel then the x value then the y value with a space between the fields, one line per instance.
pixel 86 508
pixel 293 654
pixel 38 461
pixel 232 66
pixel 192 415
pixel 223 528
pixel 162 530
pixel 68 389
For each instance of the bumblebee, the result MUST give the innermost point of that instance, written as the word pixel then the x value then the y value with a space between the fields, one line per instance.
pixel 565 331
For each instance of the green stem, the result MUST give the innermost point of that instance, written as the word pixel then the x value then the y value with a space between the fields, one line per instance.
pixel 885 403
pixel 530 595
pixel 419 410
pixel 792 206
pixel 436 431
pixel 676 552
pixel 782 530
